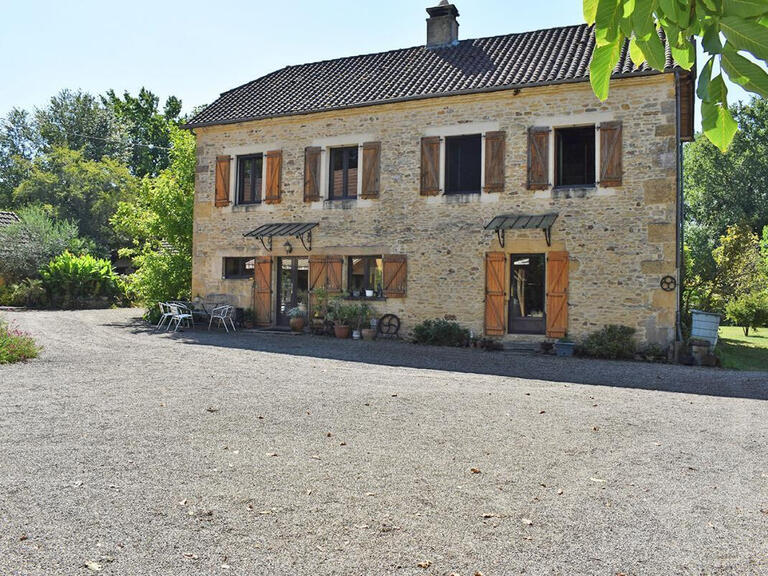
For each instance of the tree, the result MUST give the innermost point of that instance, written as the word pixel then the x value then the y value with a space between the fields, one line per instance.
pixel 29 244
pixel 743 24
pixel 145 127
pixel 19 142
pixel 86 192
pixel 749 311
pixel 159 222
pixel 740 267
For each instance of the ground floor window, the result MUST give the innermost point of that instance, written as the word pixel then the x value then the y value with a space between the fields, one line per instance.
pixel 526 305
pixel 235 268
pixel 365 273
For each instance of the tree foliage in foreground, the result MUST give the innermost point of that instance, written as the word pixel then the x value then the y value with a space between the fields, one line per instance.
pixel 733 34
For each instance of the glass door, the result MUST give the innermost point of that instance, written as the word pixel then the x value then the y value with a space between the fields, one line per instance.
pixel 292 287
pixel 526 306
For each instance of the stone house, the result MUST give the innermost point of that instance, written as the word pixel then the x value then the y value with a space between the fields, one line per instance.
pixel 478 180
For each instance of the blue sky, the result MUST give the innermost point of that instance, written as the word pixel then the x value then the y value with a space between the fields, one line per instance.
pixel 195 49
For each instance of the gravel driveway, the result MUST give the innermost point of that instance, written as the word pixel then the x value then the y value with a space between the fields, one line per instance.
pixel 131 453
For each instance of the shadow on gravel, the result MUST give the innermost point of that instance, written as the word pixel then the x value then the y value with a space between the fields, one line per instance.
pixel 638 375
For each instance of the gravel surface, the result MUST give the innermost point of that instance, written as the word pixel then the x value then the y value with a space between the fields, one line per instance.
pixel 201 453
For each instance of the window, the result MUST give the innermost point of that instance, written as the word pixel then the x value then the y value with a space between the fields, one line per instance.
pixel 462 164
pixel 238 268
pixel 575 156
pixel 365 273
pixel 343 173
pixel 249 178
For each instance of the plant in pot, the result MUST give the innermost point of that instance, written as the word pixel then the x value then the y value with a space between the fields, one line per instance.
pixel 298 317
pixel 564 347
pixel 342 316
pixel 319 308
pixel 365 315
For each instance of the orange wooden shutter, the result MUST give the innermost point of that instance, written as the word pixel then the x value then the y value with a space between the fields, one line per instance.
pixel 430 166
pixel 611 154
pixel 495 146
pixel 222 181
pixel 395 275
pixel 538 158
pixel 274 175
pixel 495 281
pixel 557 294
pixel 334 266
pixel 371 169
pixel 262 290
pixel 312 173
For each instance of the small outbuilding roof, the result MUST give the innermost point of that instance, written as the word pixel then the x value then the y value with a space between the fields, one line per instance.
pixel 8 218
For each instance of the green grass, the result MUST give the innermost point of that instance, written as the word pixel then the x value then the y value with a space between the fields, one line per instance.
pixel 743 352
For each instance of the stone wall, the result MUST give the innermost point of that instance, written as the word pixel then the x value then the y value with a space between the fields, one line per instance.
pixel 621 241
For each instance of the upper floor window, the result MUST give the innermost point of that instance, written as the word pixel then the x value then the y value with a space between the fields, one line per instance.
pixel 343 173
pixel 249 178
pixel 463 171
pixel 575 156
pixel 238 268
pixel 365 273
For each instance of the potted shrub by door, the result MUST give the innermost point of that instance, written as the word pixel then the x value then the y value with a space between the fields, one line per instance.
pixel 297 319
pixel 339 314
pixel 565 347
pixel 364 320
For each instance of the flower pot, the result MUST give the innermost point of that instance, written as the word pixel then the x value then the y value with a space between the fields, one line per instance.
pixel 341 331
pixel 368 333
pixel 297 324
pixel 369 293
pixel 355 334
pixel 564 348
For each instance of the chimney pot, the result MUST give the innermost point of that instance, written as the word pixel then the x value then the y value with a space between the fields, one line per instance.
pixel 442 25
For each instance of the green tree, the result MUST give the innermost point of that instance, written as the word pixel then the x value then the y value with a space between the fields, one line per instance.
pixel 146 127
pixel 742 57
pixel 19 142
pixel 750 311
pixel 740 267
pixel 159 222
pixel 86 192
pixel 27 245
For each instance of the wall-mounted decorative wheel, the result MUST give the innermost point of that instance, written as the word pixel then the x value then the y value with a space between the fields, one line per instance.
pixel 668 283
pixel 388 326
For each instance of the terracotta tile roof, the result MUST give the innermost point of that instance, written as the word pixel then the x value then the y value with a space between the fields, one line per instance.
pixel 8 218
pixel 551 56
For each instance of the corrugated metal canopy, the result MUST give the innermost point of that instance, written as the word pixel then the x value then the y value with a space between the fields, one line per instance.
pixel 281 229
pixel 522 222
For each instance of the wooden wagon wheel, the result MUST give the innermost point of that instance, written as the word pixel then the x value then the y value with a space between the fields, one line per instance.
pixel 668 283
pixel 388 325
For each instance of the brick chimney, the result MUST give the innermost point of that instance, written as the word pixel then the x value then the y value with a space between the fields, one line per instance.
pixel 442 26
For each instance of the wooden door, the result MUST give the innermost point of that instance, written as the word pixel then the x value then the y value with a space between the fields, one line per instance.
pixel 495 275
pixel 262 290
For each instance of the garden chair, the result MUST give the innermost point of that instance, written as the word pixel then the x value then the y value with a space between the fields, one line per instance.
pixel 180 314
pixel 165 314
pixel 223 314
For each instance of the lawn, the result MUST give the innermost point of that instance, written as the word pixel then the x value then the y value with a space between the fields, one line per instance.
pixel 743 352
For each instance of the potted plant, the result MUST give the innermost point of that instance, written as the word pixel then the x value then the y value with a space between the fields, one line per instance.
pixel 364 322
pixel 249 318
pixel 369 293
pixel 340 313
pixel 319 308
pixel 297 319
pixel 565 347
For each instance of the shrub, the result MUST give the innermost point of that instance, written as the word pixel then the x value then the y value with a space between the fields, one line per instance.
pixel 611 342
pixel 79 281
pixel 748 311
pixel 440 333
pixel 15 345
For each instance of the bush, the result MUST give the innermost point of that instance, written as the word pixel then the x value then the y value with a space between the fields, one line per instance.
pixel 440 333
pixel 748 311
pixel 15 345
pixel 611 342
pixel 81 281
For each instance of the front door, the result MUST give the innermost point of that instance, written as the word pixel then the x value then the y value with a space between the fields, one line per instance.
pixel 527 290
pixel 292 287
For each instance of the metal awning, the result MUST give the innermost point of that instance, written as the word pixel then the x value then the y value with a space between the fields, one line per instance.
pixel 522 222
pixel 301 230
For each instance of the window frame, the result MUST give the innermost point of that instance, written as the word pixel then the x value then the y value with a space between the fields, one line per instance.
pixel 346 150
pixel 247 275
pixel 258 194
pixel 370 264
pixel 480 136
pixel 556 146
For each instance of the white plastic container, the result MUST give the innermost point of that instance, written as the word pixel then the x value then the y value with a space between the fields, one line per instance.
pixel 704 326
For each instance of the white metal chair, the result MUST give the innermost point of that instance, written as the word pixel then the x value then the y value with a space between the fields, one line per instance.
pixel 180 314
pixel 223 314
pixel 165 314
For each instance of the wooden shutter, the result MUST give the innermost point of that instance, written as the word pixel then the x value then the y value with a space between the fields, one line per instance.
pixel 312 156
pixel 262 290
pixel 557 294
pixel 274 175
pixel 611 165
pixel 495 282
pixel 430 166
pixel 371 169
pixel 538 158
pixel 395 275
pixel 222 181
pixel 495 147
pixel 326 272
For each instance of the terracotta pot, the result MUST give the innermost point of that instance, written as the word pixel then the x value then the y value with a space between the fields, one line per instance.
pixel 341 331
pixel 368 333
pixel 297 324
